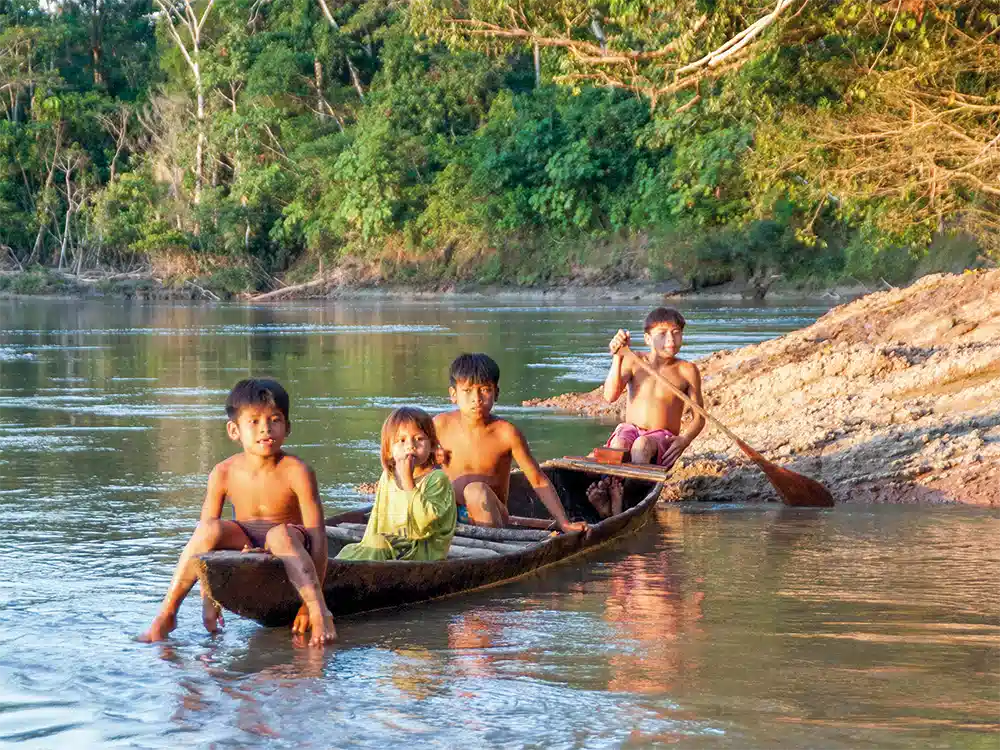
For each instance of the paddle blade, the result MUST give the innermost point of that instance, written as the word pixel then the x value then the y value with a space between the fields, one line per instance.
pixel 795 489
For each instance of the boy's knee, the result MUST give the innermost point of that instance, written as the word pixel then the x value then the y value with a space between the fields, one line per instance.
pixel 619 444
pixel 209 531
pixel 477 494
pixel 279 537
pixel 644 447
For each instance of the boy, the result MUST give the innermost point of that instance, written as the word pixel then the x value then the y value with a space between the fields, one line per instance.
pixel 479 448
pixel 652 427
pixel 276 505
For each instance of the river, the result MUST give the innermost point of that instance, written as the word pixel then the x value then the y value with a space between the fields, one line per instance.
pixel 736 626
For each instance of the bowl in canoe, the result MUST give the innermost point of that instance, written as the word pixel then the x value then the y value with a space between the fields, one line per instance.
pixel 254 584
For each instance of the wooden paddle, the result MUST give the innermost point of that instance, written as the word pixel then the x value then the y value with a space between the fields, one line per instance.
pixel 795 489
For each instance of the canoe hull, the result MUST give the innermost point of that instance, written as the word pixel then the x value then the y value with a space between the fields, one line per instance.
pixel 254 585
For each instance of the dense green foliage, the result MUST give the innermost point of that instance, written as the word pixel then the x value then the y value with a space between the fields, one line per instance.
pixel 236 140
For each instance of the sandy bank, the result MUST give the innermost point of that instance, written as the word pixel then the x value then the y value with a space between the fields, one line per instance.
pixel 894 397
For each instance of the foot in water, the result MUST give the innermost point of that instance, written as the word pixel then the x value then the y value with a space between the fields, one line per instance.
pixel 607 496
pixel 323 630
pixel 161 627
pixel 211 614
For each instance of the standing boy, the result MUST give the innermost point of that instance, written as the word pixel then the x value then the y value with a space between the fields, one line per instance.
pixel 276 505
pixel 479 448
pixel 652 427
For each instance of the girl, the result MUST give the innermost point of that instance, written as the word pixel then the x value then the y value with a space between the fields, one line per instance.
pixel 414 513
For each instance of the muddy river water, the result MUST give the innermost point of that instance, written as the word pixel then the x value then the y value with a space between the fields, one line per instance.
pixel 716 626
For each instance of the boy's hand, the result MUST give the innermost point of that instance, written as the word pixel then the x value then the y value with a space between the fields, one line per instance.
pixel 677 446
pixel 622 338
pixel 569 526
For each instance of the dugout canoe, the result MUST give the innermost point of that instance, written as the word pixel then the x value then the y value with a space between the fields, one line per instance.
pixel 254 584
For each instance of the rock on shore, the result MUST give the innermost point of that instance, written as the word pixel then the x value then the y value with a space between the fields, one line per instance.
pixel 894 397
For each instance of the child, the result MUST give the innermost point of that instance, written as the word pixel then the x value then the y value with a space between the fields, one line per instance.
pixel 480 447
pixel 652 427
pixel 276 505
pixel 414 513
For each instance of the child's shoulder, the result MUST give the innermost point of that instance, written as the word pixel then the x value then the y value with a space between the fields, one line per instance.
pixel 292 464
pixel 687 367
pixel 445 418
pixel 225 467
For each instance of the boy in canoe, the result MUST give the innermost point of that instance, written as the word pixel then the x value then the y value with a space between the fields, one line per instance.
pixel 652 427
pixel 276 505
pixel 480 447
pixel 651 431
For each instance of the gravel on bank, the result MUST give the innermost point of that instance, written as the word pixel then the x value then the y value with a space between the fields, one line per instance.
pixel 894 397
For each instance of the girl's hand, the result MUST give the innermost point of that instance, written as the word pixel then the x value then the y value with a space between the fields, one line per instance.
pixel 404 471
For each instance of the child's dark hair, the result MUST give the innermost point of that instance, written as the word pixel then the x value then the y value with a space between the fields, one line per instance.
pixel 256 392
pixel 476 369
pixel 407 415
pixel 664 315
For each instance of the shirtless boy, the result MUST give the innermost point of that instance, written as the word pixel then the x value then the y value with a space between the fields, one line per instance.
pixel 479 448
pixel 652 427
pixel 651 431
pixel 277 508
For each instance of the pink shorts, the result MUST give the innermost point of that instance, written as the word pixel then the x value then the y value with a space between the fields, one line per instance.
pixel 629 433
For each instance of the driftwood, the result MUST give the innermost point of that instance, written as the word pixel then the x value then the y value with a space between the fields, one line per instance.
pixel 460 541
pixel 349 536
pixel 501 535
pixel 277 293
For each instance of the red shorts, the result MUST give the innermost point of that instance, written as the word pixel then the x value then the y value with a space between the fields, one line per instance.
pixel 629 433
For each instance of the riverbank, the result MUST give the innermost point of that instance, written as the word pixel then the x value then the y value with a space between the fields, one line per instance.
pixel 894 397
pixel 147 287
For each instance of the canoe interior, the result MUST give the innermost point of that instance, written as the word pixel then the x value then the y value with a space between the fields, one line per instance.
pixel 571 485
pixel 572 488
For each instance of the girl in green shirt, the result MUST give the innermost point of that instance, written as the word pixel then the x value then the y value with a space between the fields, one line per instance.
pixel 414 514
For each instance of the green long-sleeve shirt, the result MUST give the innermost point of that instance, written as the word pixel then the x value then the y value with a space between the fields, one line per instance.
pixel 415 524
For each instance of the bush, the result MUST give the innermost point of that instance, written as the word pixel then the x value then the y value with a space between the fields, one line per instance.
pixel 35 280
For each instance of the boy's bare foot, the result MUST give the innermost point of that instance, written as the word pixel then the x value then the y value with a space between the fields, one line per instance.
pixel 617 492
pixel 599 496
pixel 211 614
pixel 162 625
pixel 323 629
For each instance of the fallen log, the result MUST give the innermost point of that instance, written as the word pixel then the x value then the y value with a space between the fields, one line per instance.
pixel 277 293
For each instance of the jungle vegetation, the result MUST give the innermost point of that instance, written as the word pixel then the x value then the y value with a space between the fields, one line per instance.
pixel 435 142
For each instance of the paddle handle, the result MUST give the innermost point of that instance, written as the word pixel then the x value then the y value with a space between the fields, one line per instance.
pixel 698 408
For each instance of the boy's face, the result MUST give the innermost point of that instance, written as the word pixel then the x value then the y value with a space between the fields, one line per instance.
pixel 474 399
pixel 261 430
pixel 665 339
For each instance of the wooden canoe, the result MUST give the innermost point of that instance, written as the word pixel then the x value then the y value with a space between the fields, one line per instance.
pixel 254 584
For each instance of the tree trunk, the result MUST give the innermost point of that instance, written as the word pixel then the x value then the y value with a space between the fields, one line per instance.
pixel 320 99
pixel 37 248
pixel 199 159
pixel 96 51
pixel 355 79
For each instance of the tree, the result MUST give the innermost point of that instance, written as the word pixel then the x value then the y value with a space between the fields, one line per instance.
pixel 180 17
